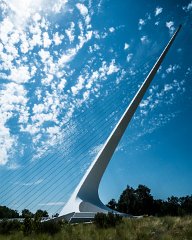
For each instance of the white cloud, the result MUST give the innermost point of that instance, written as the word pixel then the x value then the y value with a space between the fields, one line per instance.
pixel 158 11
pixel 188 7
pixel 141 23
pixel 75 89
pixel 144 39
pixel 82 8
pixel 6 143
pixel 85 13
pixel 144 103
pixel 44 55
pixel 111 29
pixel 68 56
pixel 59 5
pixel 94 48
pixel 71 53
pixel 39 181
pixel 34 52
pixel 20 74
pixel 86 95
pixel 129 57
pixel 167 87
pixel 57 38
pixel 12 99
pixel 52 204
pixel 37 40
pixel 62 84
pixel 112 68
pixel 172 68
pixel 126 46
pixel 36 17
pixel 6 28
pixel 95 150
pixel 22 10
pixel 24 44
pixel 94 77
pixel 170 26
pixel 13 165
pixel 70 32
pixel 46 40
pixel 53 130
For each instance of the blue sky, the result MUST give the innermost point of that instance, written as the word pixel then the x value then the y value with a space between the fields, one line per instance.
pixel 68 70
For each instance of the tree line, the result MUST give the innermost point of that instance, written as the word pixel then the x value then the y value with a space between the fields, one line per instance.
pixel 30 223
pixel 139 201
pixel 8 213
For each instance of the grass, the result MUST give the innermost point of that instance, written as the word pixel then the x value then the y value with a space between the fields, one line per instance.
pixel 149 228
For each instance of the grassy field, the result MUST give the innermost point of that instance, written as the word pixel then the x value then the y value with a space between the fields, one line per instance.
pixel 149 228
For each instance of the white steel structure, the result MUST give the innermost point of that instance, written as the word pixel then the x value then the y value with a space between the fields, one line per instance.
pixel 85 201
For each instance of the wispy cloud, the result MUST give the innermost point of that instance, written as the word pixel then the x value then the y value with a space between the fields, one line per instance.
pixel 170 26
pixel 52 204
pixel 111 29
pixel 158 11
pixel 39 181
pixel 188 7
pixel 126 46
pixel 95 150
pixel 141 23
pixel 129 57
pixel 144 39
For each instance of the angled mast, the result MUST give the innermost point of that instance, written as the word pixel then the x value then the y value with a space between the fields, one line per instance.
pixel 85 198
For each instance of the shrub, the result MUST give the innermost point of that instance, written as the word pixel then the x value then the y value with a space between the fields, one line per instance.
pixel 27 226
pixel 103 220
pixel 6 227
pixel 51 227
pixel 6 212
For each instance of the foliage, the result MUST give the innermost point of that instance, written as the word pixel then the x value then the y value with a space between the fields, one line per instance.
pixel 112 204
pixel 147 228
pixel 27 226
pixel 103 220
pixel 37 226
pixel 6 212
pixel 51 227
pixel 139 201
pixel 26 213
pixel 40 213
pixel 6 227
pixel 136 202
pixel 37 222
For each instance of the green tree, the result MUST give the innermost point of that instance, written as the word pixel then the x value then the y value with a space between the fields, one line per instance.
pixel 144 200
pixel 6 212
pixel 112 204
pixel 172 206
pixel 37 220
pixel 27 225
pixel 41 213
pixel 127 201
pixel 185 205
pixel 103 220
pixel 7 227
pixel 26 213
pixel 51 227
pixel 158 207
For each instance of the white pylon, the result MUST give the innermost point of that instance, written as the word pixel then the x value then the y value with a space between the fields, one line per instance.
pixel 85 198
